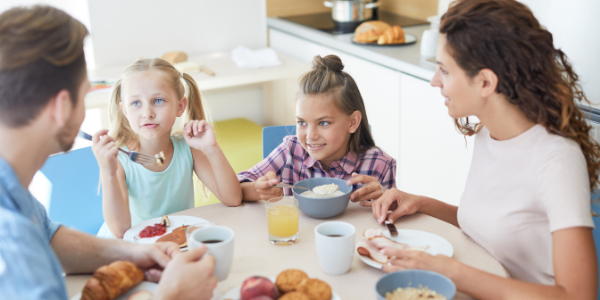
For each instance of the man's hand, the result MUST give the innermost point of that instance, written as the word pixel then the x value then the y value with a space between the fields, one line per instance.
pixel 189 275
pixel 153 258
pixel 264 186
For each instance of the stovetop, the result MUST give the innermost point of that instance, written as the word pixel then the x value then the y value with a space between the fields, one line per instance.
pixel 324 22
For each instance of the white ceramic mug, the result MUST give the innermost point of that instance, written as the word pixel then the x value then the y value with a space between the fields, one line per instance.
pixel 335 246
pixel 222 250
pixel 429 43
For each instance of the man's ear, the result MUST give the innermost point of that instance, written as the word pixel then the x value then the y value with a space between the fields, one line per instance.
pixel 487 81
pixel 61 107
pixel 355 119
pixel 181 106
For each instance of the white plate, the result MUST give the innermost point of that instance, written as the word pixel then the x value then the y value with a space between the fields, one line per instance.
pixel 437 244
pixel 408 39
pixel 234 293
pixel 132 234
pixel 144 286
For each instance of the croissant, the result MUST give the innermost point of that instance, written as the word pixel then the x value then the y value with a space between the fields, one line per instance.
pixel 394 35
pixel 111 281
pixel 369 32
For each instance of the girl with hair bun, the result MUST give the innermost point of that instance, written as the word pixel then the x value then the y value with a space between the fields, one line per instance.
pixel 144 113
pixel 332 140
pixel 527 196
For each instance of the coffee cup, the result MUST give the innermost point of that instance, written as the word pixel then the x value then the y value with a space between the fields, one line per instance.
pixel 335 246
pixel 429 43
pixel 219 243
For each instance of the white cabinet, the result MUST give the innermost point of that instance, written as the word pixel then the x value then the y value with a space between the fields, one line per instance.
pixel 408 118
pixel 379 86
pixel 434 157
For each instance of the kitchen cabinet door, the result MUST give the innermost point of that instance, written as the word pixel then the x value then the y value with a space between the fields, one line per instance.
pixel 434 157
pixel 379 86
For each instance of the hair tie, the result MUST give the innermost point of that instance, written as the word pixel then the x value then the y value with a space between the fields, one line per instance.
pixel 180 74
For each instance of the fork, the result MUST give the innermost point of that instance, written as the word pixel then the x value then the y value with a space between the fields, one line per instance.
pixel 142 159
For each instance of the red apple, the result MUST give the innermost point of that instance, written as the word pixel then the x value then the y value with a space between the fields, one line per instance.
pixel 262 298
pixel 257 286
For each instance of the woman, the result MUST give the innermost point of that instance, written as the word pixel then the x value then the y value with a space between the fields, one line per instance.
pixel 527 196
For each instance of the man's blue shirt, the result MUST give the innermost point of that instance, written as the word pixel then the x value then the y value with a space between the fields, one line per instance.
pixel 29 269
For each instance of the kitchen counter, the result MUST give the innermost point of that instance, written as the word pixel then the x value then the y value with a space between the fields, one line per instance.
pixel 406 59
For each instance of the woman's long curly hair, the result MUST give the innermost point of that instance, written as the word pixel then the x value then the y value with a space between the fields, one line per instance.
pixel 504 36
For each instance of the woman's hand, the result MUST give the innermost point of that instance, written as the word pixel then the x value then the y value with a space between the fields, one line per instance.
pixel 399 202
pixel 264 186
pixel 105 151
pixel 370 190
pixel 413 259
pixel 199 135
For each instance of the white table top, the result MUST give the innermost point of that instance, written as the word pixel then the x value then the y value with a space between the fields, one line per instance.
pixel 254 255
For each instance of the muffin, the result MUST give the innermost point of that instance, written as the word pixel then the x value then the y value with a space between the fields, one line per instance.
pixel 315 289
pixel 289 280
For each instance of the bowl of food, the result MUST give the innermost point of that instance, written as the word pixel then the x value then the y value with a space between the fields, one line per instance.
pixel 407 284
pixel 329 199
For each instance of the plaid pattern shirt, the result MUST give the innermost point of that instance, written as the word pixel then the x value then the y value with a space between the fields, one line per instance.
pixel 292 163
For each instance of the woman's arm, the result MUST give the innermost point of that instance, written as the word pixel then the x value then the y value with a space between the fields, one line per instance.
pixel 401 203
pixel 115 198
pixel 575 271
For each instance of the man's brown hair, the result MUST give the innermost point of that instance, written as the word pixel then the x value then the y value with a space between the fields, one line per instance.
pixel 41 53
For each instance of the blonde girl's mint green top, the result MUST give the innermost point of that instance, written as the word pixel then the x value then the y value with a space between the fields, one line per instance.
pixel 153 194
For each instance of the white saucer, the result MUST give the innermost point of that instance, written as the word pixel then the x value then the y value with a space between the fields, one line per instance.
pixel 144 286
pixel 415 238
pixel 132 234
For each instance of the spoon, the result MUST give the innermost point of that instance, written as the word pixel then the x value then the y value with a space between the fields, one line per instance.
pixel 300 187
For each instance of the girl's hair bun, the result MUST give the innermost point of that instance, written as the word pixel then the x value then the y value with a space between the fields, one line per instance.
pixel 329 62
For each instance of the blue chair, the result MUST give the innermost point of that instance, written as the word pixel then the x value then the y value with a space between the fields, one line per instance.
pixel 272 136
pixel 596 232
pixel 74 200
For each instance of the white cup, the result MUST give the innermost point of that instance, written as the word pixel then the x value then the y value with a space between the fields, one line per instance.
pixel 335 246
pixel 222 251
pixel 429 43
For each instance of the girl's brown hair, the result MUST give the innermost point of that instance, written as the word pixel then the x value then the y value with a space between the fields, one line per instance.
pixel 327 77
pixel 119 126
pixel 505 37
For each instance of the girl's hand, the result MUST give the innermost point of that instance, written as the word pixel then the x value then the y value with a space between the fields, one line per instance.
pixel 264 186
pixel 399 202
pixel 371 188
pixel 199 135
pixel 105 151
pixel 413 259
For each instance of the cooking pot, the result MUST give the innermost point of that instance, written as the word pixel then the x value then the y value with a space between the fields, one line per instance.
pixel 351 11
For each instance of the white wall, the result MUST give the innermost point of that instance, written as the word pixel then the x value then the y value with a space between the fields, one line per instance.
pixel 126 30
pixel 574 25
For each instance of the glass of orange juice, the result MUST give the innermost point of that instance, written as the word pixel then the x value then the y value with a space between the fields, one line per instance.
pixel 282 220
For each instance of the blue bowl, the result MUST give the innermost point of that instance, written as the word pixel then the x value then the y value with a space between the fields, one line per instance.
pixel 413 278
pixel 322 208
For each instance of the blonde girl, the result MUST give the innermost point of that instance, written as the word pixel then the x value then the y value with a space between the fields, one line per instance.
pixel 332 140
pixel 144 110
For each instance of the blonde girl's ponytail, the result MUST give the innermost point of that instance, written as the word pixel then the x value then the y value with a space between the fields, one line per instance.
pixel 195 106
pixel 119 127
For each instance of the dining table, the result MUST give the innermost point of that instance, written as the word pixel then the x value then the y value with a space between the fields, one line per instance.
pixel 255 255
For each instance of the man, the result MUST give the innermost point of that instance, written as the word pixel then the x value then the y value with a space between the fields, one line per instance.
pixel 42 85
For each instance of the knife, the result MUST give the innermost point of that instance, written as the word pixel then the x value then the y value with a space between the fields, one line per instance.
pixel 392 228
